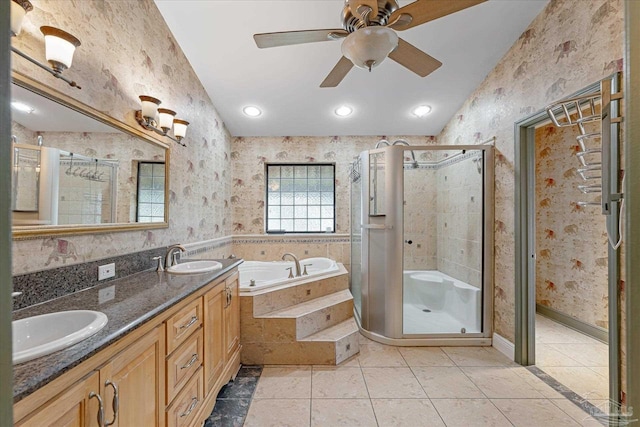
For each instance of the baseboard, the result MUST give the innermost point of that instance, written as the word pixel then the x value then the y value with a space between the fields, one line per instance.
pixel 504 346
pixel 593 331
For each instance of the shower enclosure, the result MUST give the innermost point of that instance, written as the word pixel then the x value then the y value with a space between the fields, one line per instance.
pixel 422 244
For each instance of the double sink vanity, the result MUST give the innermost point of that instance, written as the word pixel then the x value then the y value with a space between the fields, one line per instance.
pixel 150 349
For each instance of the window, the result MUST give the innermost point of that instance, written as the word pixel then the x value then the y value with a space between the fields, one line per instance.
pixel 150 206
pixel 301 198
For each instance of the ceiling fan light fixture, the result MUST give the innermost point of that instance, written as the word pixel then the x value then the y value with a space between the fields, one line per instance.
pixel 252 111
pixel 343 111
pixel 369 46
pixel 421 111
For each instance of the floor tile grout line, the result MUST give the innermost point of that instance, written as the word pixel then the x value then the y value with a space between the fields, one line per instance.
pixel 565 391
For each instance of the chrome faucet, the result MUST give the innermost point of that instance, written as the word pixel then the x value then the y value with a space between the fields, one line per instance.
pixel 295 259
pixel 171 257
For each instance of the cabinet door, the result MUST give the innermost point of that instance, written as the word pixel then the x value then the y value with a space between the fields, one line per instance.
pixel 137 373
pixel 214 302
pixel 72 408
pixel 232 317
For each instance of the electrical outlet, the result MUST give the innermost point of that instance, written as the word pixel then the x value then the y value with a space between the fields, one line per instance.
pixel 106 294
pixel 106 271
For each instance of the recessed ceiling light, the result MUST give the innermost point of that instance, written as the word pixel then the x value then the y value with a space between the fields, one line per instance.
pixel 421 110
pixel 343 111
pixel 252 111
pixel 23 108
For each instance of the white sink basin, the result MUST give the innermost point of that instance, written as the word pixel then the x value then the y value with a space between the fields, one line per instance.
pixel 193 267
pixel 41 335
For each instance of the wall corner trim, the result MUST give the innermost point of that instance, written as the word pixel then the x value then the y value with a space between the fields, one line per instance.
pixel 504 346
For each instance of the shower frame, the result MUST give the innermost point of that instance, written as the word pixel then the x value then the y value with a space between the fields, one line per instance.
pixel 381 231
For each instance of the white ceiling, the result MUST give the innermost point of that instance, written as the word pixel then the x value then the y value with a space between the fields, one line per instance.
pixel 217 38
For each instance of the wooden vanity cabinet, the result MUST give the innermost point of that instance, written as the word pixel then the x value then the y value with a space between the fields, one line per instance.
pixel 137 374
pixel 166 373
pixel 232 316
pixel 74 407
pixel 214 317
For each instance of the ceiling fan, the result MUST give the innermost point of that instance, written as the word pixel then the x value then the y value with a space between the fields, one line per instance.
pixel 369 35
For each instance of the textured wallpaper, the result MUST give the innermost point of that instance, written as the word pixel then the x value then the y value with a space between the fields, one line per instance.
pixel 571 269
pixel 127 50
pixel 250 154
pixel 570 45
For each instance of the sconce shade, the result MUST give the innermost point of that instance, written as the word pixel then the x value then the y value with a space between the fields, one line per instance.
pixel 369 46
pixel 59 47
pixel 165 118
pixel 180 128
pixel 149 106
pixel 19 9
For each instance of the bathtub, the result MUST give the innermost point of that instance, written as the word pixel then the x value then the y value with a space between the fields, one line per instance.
pixel 258 275
pixel 437 303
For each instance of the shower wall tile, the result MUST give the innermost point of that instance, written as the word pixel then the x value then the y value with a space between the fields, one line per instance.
pixel 571 268
pixel 535 72
pixel 459 219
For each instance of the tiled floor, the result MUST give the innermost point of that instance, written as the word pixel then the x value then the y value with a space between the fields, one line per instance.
pixel 396 386
pixel 575 360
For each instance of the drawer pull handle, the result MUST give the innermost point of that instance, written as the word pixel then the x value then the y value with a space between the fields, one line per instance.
pixel 100 408
pixel 193 360
pixel 115 404
pixel 194 403
pixel 193 320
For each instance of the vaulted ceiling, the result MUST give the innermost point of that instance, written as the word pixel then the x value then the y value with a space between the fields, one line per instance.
pixel 217 38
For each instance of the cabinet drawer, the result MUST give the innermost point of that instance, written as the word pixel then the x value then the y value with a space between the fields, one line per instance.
pixel 183 323
pixel 183 410
pixel 183 362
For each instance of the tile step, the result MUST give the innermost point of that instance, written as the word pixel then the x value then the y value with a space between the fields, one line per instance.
pixel 308 307
pixel 335 333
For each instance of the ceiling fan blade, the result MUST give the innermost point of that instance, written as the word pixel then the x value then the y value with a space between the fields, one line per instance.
pixel 421 11
pixel 414 59
pixel 358 8
pixel 287 38
pixel 338 73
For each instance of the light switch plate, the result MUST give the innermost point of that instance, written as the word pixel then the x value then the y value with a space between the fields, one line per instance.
pixel 106 271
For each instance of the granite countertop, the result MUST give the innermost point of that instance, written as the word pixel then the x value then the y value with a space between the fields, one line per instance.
pixel 138 298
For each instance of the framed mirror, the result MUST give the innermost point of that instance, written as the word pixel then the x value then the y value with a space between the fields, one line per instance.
pixel 76 170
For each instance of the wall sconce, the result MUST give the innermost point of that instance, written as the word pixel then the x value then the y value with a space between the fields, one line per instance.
pixel 161 120
pixel 59 45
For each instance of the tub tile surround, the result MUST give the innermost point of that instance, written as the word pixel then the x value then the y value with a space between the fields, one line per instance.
pixel 388 394
pixel 310 322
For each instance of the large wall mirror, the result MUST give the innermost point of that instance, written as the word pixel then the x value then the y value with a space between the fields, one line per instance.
pixel 76 170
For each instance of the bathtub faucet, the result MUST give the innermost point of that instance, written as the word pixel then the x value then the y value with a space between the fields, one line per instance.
pixel 295 260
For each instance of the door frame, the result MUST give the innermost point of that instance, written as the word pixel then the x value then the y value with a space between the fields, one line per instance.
pixel 525 254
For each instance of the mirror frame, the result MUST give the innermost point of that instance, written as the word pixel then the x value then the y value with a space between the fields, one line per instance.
pixel 30 232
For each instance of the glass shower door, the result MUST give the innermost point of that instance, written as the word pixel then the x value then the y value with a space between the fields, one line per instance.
pixel 443 242
pixel 355 178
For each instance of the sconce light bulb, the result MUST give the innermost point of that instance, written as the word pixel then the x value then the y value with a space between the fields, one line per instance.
pixel 165 119
pixel 19 9
pixel 180 128
pixel 149 107
pixel 59 47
